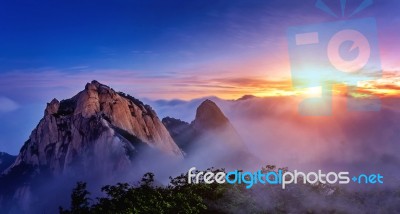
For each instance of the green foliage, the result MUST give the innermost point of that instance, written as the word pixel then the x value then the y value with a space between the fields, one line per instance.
pixel 177 197
pixel 79 200
pixel 181 197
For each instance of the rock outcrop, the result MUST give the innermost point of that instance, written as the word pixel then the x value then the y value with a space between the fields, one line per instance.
pixel 98 123
pixel 210 122
pixel 209 117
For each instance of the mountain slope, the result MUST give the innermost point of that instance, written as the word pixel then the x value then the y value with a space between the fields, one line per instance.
pixel 181 131
pixel 6 160
pixel 98 135
pixel 210 138
pixel 211 122
pixel 98 123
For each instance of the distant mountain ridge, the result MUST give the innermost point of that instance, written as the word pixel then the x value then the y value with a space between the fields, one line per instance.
pixel 6 160
pixel 180 131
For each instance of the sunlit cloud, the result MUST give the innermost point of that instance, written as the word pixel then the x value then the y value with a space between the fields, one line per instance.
pixel 388 85
pixel 7 105
pixel 48 84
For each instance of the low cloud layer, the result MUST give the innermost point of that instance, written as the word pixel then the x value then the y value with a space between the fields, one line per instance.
pixel 361 142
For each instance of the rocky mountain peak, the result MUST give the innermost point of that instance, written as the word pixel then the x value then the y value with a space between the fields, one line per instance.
pixel 52 107
pixel 209 116
pixel 211 136
pixel 96 121
pixel 210 129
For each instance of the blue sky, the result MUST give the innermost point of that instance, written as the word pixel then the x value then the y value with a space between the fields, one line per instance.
pixel 135 34
pixel 121 34
pixel 153 49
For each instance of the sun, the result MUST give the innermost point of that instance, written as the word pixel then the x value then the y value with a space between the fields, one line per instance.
pixel 313 91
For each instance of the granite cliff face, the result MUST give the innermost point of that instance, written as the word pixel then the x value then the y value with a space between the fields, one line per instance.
pixel 96 123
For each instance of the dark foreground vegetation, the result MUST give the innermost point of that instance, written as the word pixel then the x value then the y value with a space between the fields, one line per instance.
pixel 180 197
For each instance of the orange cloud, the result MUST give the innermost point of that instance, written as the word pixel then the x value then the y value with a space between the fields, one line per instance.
pixel 180 85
